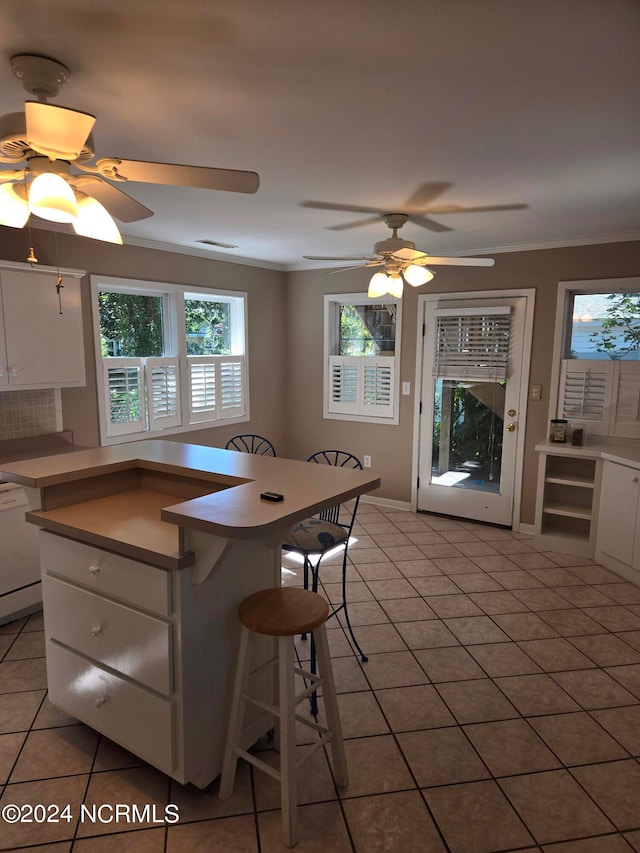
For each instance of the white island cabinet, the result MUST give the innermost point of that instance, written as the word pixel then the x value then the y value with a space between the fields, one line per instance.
pixel 147 550
pixel 618 543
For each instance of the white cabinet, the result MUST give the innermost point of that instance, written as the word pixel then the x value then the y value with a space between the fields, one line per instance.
pixel 40 347
pixel 109 662
pixel 567 501
pixel 618 545
pixel 146 655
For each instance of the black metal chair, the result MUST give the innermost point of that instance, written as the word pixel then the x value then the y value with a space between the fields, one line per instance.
pixel 249 443
pixel 314 537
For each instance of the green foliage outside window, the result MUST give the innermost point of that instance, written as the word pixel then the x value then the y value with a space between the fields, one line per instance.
pixel 366 330
pixel 131 326
pixel 208 327
pixel 619 334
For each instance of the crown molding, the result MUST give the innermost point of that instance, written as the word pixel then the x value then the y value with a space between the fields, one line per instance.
pixel 493 250
pixel 197 252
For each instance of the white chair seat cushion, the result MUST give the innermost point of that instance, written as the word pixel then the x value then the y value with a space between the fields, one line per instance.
pixel 313 536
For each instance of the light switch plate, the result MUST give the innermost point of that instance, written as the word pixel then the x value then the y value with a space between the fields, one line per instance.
pixel 406 388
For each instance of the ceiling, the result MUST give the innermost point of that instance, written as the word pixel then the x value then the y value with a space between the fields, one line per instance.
pixel 400 106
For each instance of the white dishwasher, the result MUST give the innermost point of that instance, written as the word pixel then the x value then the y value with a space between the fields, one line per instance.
pixel 20 591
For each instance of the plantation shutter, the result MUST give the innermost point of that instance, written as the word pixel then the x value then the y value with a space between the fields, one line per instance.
pixel 124 395
pixel 344 384
pixel 627 402
pixel 217 387
pixel 472 344
pixel 232 385
pixel 377 390
pixel 163 399
pixel 362 385
pixel 601 396
pixel 585 393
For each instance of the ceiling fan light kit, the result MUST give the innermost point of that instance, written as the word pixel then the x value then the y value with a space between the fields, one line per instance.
pixel 51 197
pixel 14 210
pixel 401 261
pixel 52 139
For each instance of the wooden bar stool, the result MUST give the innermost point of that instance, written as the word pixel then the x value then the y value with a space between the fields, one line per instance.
pixel 284 612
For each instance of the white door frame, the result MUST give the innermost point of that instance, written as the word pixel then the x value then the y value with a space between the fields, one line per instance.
pixel 427 300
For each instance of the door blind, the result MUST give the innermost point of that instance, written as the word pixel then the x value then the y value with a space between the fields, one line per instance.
pixel 472 344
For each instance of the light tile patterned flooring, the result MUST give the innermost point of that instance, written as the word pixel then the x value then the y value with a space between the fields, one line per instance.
pixel 499 711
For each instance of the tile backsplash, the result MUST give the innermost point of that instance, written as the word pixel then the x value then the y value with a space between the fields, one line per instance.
pixel 24 413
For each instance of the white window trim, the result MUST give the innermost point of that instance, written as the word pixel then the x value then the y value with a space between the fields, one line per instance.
pixel 332 302
pixel 175 339
pixel 563 324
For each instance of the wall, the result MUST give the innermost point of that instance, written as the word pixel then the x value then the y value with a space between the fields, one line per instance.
pixel 286 313
pixel 391 446
pixel 266 322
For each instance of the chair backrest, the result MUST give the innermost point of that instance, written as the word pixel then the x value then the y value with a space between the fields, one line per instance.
pixel 342 514
pixel 249 443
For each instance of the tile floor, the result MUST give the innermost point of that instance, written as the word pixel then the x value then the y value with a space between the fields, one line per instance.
pixel 499 711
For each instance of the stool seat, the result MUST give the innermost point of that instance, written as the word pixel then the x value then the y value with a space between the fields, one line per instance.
pixel 283 611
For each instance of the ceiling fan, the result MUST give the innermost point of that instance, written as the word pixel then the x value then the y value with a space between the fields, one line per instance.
pixel 401 261
pixel 58 177
pixel 419 208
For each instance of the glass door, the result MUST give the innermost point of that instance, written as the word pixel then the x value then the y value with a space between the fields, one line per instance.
pixel 471 388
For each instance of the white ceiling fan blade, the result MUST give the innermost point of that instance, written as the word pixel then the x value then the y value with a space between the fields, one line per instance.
pixel 57 132
pixel 353 259
pixel 119 204
pixel 201 177
pixel 428 261
pixel 416 257
pixel 407 254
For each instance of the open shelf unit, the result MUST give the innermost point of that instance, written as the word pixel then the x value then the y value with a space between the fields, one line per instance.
pixel 568 480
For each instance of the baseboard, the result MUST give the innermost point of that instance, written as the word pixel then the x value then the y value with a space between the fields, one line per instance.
pixel 402 505
pixel 525 528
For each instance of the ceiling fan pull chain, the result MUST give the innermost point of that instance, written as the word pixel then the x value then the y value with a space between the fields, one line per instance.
pixel 59 284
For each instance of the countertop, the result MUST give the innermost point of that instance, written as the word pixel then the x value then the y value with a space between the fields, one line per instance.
pixel 234 508
pixel 622 452
pixel 33 446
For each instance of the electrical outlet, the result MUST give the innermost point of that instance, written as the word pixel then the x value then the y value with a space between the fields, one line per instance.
pixel 535 392
pixel 367 461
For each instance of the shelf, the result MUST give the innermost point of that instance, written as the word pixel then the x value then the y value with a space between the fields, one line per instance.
pixel 573 480
pixel 568 510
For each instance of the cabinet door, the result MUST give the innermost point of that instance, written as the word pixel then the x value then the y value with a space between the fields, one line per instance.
pixel 618 511
pixel 44 347
pixel 4 374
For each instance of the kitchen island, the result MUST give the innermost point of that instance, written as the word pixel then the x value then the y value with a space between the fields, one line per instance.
pixel 147 549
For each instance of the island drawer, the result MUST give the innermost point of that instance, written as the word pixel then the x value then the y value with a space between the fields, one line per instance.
pixel 133 717
pixel 133 643
pixel 109 574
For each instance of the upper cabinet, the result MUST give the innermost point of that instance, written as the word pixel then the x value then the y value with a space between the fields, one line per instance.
pixel 41 338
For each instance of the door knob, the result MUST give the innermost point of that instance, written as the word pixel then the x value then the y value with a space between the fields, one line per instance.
pixel 511 427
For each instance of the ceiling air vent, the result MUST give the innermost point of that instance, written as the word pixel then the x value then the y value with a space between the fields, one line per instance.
pixel 217 243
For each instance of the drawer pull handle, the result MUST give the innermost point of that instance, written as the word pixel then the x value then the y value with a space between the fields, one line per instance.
pixel 96 631
pixel 93 570
pixel 99 701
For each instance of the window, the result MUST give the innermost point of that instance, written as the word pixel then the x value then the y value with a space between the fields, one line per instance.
pixel 362 358
pixel 599 357
pixel 168 358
